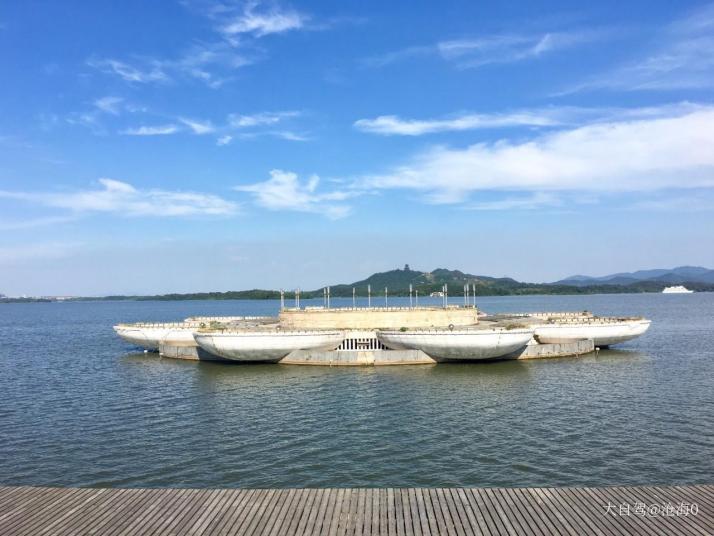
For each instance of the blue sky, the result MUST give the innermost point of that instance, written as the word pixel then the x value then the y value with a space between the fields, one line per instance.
pixel 202 145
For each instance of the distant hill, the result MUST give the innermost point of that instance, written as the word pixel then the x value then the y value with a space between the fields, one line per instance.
pixel 678 276
pixel 398 281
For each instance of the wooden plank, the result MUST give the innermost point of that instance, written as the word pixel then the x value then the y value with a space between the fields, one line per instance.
pixel 297 523
pixel 476 521
pixel 282 511
pixel 323 526
pixel 248 513
pixel 158 516
pixel 450 513
pixel 353 512
pixel 179 518
pixel 524 524
pixel 478 504
pixel 592 516
pixel 600 496
pixel 571 514
pixel 317 512
pixel 661 497
pixel 270 509
pixel 536 510
pixel 32 521
pixel 262 508
pixel 24 509
pixel 242 501
pixel 337 511
pixel 71 517
pixel 503 516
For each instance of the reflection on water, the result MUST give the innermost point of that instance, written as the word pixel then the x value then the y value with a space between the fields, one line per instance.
pixel 81 409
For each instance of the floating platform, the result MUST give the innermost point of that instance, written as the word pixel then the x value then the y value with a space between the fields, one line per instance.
pixel 641 510
pixel 383 336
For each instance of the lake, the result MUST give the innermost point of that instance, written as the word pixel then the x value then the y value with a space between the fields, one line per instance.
pixel 82 408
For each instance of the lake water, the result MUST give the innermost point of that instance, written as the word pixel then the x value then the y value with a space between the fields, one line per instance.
pixel 81 408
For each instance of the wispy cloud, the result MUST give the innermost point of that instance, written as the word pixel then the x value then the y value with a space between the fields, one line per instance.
pixel 213 61
pixel 109 104
pixel 550 116
pixel 245 126
pixel 629 155
pixel 122 198
pixel 389 125
pixel 130 73
pixel 34 223
pixel 260 22
pixel 224 140
pixel 260 119
pixel 476 52
pixel 532 201
pixel 680 57
pixel 154 130
pixel 198 127
pixel 284 191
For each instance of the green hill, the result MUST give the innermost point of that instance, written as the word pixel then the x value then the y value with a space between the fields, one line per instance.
pixel 398 281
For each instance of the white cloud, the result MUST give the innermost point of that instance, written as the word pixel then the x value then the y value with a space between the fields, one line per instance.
pixel 680 58
pixel 534 201
pixel 284 191
pixel 500 48
pixel 156 130
pixel 552 116
pixel 392 125
pixel 224 140
pixel 263 23
pixel 110 105
pixel 31 224
pixel 119 197
pixel 211 63
pixel 198 127
pixel 129 73
pixel 260 119
pixel 638 155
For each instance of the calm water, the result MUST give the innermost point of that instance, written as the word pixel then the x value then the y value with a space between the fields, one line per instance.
pixel 79 407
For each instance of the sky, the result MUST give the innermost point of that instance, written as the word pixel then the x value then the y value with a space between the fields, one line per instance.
pixel 205 145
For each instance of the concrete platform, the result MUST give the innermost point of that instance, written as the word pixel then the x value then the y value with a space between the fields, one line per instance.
pixel 358 358
pixel 351 358
pixel 561 349
pixel 189 352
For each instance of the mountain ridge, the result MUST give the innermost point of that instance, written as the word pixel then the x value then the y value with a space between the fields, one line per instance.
pixel 397 283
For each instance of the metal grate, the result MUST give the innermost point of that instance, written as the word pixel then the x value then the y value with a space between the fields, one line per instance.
pixel 363 343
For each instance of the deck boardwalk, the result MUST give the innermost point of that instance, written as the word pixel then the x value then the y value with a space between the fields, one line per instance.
pixel 687 510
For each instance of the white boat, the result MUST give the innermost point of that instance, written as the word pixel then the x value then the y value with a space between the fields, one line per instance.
pixel 149 335
pixel 603 331
pixel 677 289
pixel 272 345
pixel 458 344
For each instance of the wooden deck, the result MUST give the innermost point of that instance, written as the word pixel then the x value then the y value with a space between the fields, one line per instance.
pixel 399 512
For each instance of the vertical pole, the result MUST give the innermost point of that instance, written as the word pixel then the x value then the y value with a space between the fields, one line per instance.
pixel 473 287
pixel 297 298
pixel 354 300
pixel 410 294
pixel 385 296
pixel 417 298
pixel 282 299
pixel 328 297
pixel 369 295
pixel 446 295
